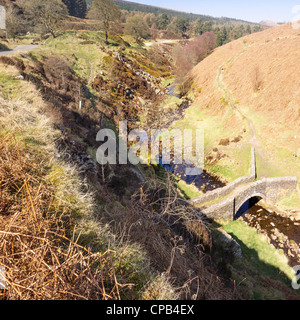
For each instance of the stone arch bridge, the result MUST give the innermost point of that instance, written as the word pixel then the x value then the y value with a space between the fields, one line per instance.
pixel 267 189
pixel 225 202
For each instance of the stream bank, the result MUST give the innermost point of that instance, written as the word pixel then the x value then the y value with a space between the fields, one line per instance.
pixel 282 232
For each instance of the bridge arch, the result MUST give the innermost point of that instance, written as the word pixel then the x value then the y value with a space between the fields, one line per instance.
pixel 242 205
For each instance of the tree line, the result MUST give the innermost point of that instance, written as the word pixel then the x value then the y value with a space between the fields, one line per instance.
pixel 45 16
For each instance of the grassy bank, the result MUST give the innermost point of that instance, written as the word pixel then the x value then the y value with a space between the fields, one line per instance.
pixel 263 271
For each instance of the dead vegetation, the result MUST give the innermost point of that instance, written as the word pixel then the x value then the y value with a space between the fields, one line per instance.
pixel 257 79
pixel 155 247
pixel 177 239
pixel 40 260
pixel 60 241
pixel 45 257
pixel 53 243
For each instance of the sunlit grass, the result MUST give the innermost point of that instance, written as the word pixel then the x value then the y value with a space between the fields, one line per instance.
pixel 264 259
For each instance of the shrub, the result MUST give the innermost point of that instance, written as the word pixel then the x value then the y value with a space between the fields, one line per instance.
pixel 187 56
pixel 257 79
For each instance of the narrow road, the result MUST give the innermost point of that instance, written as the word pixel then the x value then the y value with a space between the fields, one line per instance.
pixel 20 48
pixel 149 44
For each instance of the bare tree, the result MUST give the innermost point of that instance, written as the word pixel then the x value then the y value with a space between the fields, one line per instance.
pixel 46 14
pixel 187 56
pixel 15 23
pixel 106 11
pixel 136 27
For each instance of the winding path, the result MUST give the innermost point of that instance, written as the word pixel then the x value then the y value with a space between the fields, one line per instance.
pixel 253 140
pixel 20 48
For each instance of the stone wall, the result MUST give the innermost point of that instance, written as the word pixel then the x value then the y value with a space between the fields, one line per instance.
pixel 242 189
pixel 253 163
pixel 269 189
pixel 279 187
pixel 222 192
pixel 223 209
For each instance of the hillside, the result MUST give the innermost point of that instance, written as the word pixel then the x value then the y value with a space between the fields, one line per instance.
pixel 133 6
pixel 269 23
pixel 249 89
pixel 73 228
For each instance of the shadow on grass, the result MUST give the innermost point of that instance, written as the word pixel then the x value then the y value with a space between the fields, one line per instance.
pixel 260 266
pixel 4 47
pixel 259 278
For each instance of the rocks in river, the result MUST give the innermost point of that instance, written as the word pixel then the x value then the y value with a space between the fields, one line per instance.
pixel 273 237
pixel 277 228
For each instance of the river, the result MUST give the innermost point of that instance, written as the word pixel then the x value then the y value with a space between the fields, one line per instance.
pixel 282 232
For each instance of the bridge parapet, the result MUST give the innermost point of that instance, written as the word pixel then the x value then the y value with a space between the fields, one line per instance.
pixel 268 189
pixel 222 192
pixel 228 200
pixel 253 163
pixel 279 187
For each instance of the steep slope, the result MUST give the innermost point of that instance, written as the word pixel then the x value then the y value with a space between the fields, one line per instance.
pixel 250 87
pixel 271 55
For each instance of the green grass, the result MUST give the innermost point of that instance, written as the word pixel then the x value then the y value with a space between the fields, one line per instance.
pixel 260 264
pixel 265 259
pixel 166 82
pixel 291 201
pixel 259 258
pixel 189 190
pixel 229 171
pixel 82 48
pixel 237 162
pixel 171 103
pixel 9 85
pixel 23 111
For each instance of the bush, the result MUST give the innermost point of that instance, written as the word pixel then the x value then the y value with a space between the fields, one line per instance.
pixel 257 79
pixel 187 56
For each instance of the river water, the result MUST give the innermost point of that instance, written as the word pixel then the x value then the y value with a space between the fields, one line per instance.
pixel 205 182
pixel 282 232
